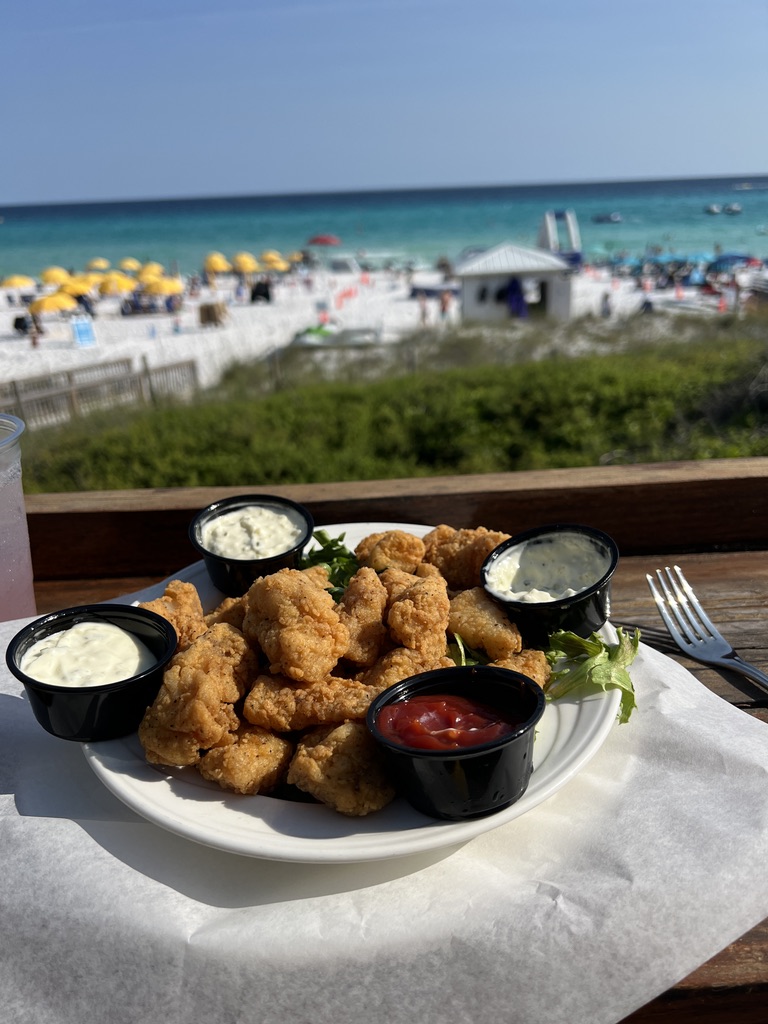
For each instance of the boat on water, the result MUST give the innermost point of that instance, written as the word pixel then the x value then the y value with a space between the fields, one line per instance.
pixel 607 218
pixel 713 208
pixel 732 209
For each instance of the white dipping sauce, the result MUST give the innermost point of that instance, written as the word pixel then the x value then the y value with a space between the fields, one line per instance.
pixel 87 654
pixel 548 568
pixel 253 531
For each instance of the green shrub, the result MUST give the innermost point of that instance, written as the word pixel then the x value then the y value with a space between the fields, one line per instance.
pixel 468 404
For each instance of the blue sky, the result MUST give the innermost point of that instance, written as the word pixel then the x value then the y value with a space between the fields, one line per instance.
pixel 217 97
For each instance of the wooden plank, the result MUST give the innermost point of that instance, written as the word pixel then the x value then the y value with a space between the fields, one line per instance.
pixel 677 507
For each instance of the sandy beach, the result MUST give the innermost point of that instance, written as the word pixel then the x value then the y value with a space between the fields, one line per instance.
pixel 380 301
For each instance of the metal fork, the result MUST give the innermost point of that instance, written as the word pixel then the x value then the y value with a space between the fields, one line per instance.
pixel 692 629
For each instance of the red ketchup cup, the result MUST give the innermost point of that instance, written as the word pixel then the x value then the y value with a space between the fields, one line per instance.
pixel 459 741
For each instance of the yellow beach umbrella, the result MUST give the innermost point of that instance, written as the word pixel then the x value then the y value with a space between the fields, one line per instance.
pixel 144 275
pixel 18 281
pixel 53 303
pixel 80 284
pixel 98 263
pixel 269 255
pixel 55 275
pixel 116 283
pixel 296 257
pixel 152 268
pixel 279 265
pixel 245 263
pixel 217 263
pixel 164 286
pixel 130 264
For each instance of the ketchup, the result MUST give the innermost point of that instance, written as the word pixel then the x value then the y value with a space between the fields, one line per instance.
pixel 437 721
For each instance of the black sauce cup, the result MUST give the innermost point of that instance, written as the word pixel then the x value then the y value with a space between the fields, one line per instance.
pixel 468 782
pixel 103 712
pixel 234 576
pixel 582 613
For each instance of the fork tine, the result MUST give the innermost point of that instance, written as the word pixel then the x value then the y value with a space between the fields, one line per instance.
pixel 698 630
pixel 677 605
pixel 669 622
pixel 695 603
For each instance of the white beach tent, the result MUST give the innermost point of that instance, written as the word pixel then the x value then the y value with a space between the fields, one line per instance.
pixel 487 279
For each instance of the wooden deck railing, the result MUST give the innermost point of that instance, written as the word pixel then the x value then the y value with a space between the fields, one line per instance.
pixel 649 509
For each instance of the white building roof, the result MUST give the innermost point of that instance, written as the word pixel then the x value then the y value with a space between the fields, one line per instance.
pixel 510 259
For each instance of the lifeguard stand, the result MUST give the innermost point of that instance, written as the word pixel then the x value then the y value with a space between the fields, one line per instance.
pixel 549 235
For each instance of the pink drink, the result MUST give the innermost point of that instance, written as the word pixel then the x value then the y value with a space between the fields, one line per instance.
pixel 17 595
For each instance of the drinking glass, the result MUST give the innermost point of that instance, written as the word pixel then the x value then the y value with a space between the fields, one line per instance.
pixel 17 595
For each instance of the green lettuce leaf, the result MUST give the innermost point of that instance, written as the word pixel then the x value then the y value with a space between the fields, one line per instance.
pixel 591 662
pixel 339 561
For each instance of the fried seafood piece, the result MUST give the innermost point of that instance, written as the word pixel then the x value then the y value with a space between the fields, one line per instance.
pixel 180 605
pixel 481 623
pixel 530 662
pixel 194 709
pixel 418 617
pixel 398 664
pixel 317 574
pixel 255 762
pixel 394 549
pixel 277 703
pixel 342 767
pixel 459 554
pixel 396 582
pixel 231 610
pixel 362 609
pixel 297 625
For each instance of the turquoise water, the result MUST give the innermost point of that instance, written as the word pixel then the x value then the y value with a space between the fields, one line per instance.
pixel 419 225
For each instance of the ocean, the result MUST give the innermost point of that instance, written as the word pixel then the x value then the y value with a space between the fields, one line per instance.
pixel 420 225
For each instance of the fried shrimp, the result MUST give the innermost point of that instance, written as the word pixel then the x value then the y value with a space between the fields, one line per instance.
pixel 297 625
pixel 194 709
pixel 530 662
pixel 361 610
pixel 459 554
pixel 418 617
pixel 231 610
pixel 342 767
pixel 255 762
pixel 278 703
pixel 180 605
pixel 392 549
pixel 481 623
pixel 398 664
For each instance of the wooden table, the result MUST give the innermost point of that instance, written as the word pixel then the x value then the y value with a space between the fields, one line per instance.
pixel 711 517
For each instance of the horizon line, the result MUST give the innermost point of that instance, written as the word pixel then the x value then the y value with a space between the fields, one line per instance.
pixel 382 190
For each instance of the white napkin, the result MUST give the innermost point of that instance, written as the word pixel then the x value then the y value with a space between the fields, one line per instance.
pixel 582 910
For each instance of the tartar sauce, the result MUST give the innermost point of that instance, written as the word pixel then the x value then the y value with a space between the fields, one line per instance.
pixel 548 568
pixel 87 654
pixel 253 531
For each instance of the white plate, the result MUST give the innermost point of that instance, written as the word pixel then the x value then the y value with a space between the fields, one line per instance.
pixel 180 800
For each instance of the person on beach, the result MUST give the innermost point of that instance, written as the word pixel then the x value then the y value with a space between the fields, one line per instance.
pixel 605 306
pixel 423 309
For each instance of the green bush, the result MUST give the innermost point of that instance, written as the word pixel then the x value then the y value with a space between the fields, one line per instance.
pixel 649 403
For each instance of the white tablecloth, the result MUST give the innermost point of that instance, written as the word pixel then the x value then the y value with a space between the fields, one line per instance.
pixel 582 910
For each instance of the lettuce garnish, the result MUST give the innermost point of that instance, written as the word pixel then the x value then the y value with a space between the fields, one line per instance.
pixel 592 663
pixel 337 559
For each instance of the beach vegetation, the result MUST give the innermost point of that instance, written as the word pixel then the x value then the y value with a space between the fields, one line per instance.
pixel 469 401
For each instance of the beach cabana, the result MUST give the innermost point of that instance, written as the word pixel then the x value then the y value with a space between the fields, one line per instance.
pixel 512 280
